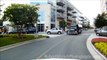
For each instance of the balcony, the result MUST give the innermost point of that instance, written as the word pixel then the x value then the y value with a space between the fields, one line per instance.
pixel 74 16
pixel 60 9
pixel 60 15
pixel 81 17
pixel 74 12
pixel 60 2
pixel 69 8
pixel 69 13
pixel 69 18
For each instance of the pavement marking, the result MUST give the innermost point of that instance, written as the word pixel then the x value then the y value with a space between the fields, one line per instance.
pixel 49 49
pixel 55 59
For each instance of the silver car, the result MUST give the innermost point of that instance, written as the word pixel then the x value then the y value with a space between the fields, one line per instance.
pixel 102 31
pixel 55 31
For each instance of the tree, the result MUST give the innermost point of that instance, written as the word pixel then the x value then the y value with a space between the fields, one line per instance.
pixel 62 24
pixel 101 20
pixel 21 14
pixel 1 23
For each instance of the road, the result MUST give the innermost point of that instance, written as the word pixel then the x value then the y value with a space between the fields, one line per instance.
pixel 65 46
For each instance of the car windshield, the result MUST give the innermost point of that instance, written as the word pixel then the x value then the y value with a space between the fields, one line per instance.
pixel 105 28
pixel 72 27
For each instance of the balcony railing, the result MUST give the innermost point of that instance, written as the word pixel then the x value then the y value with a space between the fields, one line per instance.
pixel 74 16
pixel 69 8
pixel 60 15
pixel 69 17
pixel 60 2
pixel 74 12
pixel 60 9
pixel 69 13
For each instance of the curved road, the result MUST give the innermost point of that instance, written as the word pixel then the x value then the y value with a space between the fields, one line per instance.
pixel 64 46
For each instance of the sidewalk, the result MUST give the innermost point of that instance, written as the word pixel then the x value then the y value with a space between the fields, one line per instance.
pixel 94 52
pixel 51 35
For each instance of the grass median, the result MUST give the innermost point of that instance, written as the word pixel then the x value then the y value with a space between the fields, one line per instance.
pixel 8 39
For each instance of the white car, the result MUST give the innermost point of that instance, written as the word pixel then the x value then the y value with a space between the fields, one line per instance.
pixel 55 31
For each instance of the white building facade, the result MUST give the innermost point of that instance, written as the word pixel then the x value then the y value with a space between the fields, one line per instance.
pixel 104 6
pixel 51 12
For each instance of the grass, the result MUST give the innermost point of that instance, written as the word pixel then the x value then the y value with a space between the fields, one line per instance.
pixel 13 38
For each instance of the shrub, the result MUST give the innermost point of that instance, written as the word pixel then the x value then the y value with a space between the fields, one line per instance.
pixel 102 47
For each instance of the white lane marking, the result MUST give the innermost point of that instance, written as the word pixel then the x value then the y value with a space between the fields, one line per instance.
pixel 55 59
pixel 50 49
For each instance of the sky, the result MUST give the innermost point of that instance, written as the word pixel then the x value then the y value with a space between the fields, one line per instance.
pixel 89 8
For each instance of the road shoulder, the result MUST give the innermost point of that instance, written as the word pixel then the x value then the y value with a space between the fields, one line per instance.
pixel 18 44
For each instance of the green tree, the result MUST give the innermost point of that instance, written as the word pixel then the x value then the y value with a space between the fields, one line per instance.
pixel 101 20
pixel 1 23
pixel 21 14
pixel 63 24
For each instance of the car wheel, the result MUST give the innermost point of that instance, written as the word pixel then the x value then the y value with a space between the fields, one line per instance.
pixel 59 32
pixel 48 32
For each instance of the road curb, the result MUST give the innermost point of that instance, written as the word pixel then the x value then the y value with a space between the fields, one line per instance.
pixel 18 44
pixel 94 52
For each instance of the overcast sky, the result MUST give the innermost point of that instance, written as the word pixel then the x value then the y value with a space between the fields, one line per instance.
pixel 89 8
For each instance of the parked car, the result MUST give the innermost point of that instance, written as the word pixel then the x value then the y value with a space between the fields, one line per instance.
pixel 102 31
pixel 55 31
pixel 74 29
pixel 97 29
pixel 14 31
pixel 31 30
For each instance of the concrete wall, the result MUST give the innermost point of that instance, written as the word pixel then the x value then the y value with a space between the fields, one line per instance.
pixel 47 16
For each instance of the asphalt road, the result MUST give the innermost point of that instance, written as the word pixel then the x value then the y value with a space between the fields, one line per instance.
pixel 65 46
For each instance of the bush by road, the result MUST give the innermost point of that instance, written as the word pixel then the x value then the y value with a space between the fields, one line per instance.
pixel 13 38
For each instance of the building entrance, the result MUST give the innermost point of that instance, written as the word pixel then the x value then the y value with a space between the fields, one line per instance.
pixel 40 27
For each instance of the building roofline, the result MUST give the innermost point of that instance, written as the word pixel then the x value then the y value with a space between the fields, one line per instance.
pixel 74 7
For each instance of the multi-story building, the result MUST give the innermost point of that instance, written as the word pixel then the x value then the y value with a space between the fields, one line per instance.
pixel 104 6
pixel 51 12
pixel 84 21
pixel 61 11
pixel 66 11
